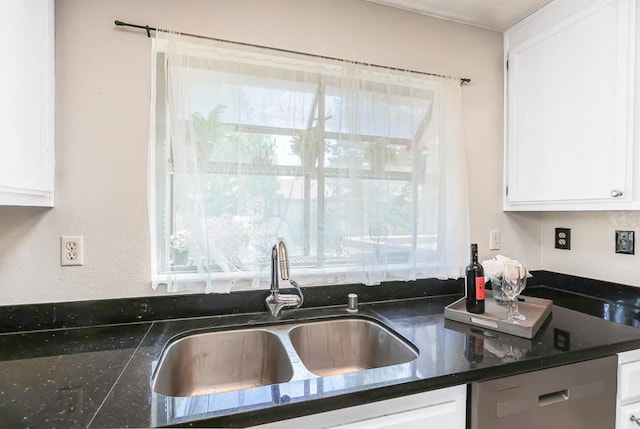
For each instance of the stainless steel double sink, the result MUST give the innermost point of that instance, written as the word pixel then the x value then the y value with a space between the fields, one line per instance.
pixel 222 361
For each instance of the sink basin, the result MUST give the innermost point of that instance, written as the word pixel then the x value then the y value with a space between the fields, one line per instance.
pixel 218 362
pixel 224 361
pixel 348 345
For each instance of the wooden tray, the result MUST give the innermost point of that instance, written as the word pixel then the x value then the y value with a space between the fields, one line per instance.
pixel 536 309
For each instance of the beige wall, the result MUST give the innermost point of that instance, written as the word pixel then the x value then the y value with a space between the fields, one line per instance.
pixel 592 251
pixel 102 109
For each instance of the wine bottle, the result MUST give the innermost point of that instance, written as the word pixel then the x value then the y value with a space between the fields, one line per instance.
pixel 474 292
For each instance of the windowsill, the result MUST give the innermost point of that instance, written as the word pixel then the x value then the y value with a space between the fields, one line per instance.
pixel 307 277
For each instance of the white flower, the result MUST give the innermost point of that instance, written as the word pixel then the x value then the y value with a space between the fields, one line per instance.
pixel 493 267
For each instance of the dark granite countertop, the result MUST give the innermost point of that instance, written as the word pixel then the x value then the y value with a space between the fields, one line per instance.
pixel 100 376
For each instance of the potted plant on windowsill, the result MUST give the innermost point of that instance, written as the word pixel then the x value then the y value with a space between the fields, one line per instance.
pixel 378 154
pixel 179 245
pixel 261 150
pixel 209 132
pixel 305 146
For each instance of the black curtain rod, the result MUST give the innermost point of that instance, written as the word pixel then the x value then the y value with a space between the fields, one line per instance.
pixel 463 80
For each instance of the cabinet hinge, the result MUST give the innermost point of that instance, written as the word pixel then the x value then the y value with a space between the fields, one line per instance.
pixel 507 191
pixel 507 65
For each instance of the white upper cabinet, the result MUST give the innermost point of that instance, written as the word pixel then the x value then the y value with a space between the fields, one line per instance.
pixel 569 101
pixel 27 102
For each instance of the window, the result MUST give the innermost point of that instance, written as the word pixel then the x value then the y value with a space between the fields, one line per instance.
pixel 359 169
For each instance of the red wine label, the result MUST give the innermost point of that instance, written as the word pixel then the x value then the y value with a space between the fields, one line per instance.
pixel 480 287
pixel 479 346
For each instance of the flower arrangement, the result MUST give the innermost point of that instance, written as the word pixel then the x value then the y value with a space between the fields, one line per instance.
pixel 180 241
pixel 493 272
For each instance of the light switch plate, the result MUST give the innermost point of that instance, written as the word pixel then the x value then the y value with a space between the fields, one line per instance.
pixel 494 240
pixel 625 242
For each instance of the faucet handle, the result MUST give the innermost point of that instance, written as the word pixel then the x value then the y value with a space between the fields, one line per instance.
pixel 295 285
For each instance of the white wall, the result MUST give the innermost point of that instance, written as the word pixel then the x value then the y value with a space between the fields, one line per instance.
pixel 102 110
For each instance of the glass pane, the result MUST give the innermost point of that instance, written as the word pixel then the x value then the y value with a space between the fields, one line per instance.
pixel 375 155
pixel 252 100
pixel 257 175
pixel 374 114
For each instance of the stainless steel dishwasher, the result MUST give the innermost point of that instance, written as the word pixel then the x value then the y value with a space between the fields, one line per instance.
pixel 580 395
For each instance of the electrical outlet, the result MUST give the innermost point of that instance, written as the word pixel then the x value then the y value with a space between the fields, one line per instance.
pixel 71 250
pixel 563 238
pixel 494 240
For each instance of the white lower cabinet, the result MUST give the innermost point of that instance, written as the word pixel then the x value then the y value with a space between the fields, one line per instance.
pixel 440 416
pixel 628 416
pixel 628 401
pixel 442 409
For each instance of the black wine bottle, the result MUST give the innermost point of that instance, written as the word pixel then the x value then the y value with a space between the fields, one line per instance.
pixel 474 292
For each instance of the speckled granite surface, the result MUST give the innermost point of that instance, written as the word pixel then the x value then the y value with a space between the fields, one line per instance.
pixel 101 376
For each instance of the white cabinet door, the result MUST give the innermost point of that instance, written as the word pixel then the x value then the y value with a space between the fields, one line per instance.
pixel 442 409
pixel 628 410
pixel 27 102
pixel 628 417
pixel 441 416
pixel 629 381
pixel 569 107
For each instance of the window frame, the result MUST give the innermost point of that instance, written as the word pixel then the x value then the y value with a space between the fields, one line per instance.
pixel 161 191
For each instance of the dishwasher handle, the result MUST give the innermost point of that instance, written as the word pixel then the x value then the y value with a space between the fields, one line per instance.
pixel 553 397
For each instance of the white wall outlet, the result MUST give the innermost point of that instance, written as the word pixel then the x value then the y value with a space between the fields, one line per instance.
pixel 494 240
pixel 71 250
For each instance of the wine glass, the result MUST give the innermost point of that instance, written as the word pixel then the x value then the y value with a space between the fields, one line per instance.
pixel 514 280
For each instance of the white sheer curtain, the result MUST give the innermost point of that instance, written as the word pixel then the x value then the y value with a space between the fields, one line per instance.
pixel 361 170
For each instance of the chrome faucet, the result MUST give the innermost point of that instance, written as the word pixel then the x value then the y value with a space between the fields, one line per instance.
pixel 275 301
